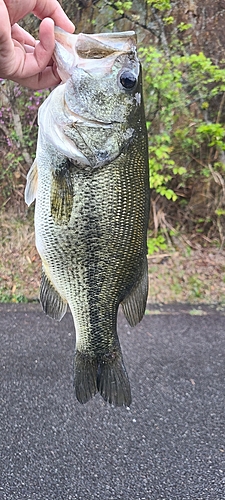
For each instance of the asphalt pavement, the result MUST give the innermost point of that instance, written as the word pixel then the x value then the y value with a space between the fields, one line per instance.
pixel 169 445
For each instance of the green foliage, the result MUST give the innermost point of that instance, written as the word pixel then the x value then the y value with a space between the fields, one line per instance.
pixel 168 19
pixel 184 26
pixel 156 244
pixel 160 4
pixel 160 160
pixel 185 95
pixel 220 211
pixel 122 7
pixel 6 297
pixel 197 287
pixel 213 133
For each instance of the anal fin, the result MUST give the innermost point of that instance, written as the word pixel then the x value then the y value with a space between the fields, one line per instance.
pixel 135 303
pixel 52 303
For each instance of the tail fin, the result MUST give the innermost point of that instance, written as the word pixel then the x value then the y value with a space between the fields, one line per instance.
pixel 112 380
pixel 105 374
pixel 85 383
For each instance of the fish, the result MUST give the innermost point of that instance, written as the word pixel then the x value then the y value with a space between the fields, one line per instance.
pixel 90 180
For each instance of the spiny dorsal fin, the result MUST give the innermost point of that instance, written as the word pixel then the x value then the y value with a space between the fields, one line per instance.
pixel 52 303
pixel 32 184
pixel 135 303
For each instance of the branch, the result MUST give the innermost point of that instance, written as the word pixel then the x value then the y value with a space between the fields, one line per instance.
pixel 19 133
pixel 161 32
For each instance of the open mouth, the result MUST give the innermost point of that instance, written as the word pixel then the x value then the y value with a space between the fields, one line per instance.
pixel 91 52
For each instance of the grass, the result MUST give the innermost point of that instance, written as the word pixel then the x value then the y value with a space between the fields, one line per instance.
pixel 187 275
pixel 196 276
pixel 20 265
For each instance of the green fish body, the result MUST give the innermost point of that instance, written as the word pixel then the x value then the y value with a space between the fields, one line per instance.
pixel 90 181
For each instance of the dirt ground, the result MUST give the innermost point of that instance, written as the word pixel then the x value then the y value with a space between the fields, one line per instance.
pixel 193 276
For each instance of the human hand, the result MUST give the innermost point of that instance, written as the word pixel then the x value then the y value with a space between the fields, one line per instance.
pixel 22 58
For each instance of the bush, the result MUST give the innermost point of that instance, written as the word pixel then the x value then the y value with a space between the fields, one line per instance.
pixel 18 137
pixel 185 95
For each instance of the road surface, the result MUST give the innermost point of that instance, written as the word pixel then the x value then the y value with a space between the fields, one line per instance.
pixel 169 445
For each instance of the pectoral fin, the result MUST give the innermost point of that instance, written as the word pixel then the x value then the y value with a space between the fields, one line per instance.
pixel 62 194
pixel 135 303
pixel 52 303
pixel 32 184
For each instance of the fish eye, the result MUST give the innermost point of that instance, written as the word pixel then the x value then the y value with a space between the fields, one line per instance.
pixel 128 80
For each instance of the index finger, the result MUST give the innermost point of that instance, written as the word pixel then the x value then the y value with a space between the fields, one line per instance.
pixel 52 9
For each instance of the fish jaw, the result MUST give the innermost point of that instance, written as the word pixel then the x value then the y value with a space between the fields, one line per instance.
pixel 120 41
pixel 91 52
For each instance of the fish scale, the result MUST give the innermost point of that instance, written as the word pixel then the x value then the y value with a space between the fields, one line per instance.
pixel 91 224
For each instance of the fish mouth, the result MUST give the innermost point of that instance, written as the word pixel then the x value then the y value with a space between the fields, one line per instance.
pixel 96 51
pixel 98 45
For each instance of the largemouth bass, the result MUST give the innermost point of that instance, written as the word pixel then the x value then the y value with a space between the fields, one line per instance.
pixel 90 181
